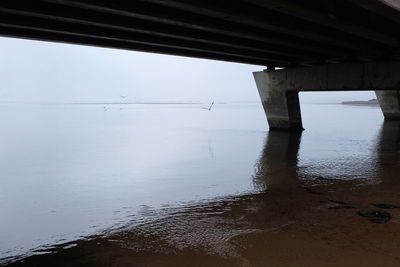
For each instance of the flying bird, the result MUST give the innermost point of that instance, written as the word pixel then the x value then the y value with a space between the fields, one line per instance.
pixel 209 108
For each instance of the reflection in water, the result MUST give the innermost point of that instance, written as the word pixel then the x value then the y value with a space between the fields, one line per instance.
pixel 389 141
pixel 302 213
pixel 388 151
pixel 278 163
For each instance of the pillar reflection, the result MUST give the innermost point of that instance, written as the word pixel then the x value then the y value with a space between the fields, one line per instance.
pixel 277 165
pixel 388 152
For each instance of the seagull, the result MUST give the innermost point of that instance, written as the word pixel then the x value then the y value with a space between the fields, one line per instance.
pixel 209 108
pixel 124 96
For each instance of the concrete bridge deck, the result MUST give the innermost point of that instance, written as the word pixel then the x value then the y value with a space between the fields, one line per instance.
pixel 276 33
pixel 283 33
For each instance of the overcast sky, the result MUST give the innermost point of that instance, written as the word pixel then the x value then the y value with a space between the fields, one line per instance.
pixel 33 71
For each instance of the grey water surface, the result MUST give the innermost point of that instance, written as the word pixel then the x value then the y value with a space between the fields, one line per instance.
pixel 72 171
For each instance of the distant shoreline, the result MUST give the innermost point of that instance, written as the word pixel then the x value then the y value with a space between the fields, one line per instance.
pixel 371 102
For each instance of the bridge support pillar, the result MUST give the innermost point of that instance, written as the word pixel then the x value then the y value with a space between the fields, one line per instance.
pixel 389 100
pixel 282 107
pixel 279 88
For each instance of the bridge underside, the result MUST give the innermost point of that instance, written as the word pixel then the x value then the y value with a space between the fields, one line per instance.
pixel 280 33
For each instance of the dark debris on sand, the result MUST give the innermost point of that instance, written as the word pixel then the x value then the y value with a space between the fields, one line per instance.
pixel 385 206
pixel 375 216
pixel 341 207
pixel 339 202
pixel 311 191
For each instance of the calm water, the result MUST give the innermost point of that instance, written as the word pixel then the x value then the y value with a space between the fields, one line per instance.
pixel 169 185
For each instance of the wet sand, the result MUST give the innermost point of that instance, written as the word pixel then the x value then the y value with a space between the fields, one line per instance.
pixel 281 227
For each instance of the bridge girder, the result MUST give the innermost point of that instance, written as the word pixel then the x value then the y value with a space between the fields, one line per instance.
pixel 284 33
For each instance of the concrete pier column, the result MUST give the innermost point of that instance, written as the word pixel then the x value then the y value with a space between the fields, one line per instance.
pixel 389 100
pixel 282 107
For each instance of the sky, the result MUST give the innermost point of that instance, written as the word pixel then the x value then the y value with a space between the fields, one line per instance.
pixel 35 71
